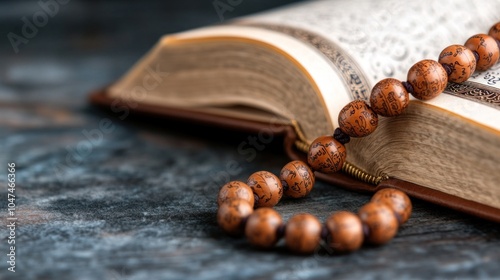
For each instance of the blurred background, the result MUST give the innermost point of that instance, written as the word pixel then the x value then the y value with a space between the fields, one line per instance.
pixel 104 25
pixel 80 37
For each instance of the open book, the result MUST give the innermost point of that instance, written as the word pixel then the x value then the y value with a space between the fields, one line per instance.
pixel 297 66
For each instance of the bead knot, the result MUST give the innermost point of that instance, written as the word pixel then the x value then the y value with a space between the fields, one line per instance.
pixel 447 68
pixel 324 233
pixel 256 199
pixel 340 136
pixel 408 87
pixel 476 55
pixel 280 231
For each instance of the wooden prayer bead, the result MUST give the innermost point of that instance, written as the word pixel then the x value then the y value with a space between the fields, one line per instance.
pixel 346 232
pixel 495 31
pixel 267 187
pixel 357 119
pixel 397 200
pixel 380 221
pixel 461 62
pixel 262 227
pixel 297 179
pixel 428 79
pixel 487 49
pixel 234 190
pixel 303 233
pixel 232 215
pixel 389 98
pixel 326 155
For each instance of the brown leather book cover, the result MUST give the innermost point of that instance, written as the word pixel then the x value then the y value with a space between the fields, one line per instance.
pixel 101 99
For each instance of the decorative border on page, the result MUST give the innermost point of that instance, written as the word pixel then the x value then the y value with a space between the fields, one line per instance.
pixel 355 80
pixel 353 77
pixel 476 92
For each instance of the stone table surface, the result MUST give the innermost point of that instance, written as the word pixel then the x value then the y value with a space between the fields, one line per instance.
pixel 137 200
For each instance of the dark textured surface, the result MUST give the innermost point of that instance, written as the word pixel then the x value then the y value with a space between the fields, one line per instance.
pixel 140 202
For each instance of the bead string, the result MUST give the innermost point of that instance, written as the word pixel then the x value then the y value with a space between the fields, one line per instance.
pixel 377 221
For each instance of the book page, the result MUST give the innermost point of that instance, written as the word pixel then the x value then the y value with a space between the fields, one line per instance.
pixel 307 56
pixel 381 39
pixel 215 69
pixel 478 98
